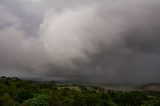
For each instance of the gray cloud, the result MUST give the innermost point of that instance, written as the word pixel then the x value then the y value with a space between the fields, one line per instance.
pixel 89 41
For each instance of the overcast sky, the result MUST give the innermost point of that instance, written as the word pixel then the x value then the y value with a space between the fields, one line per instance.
pixel 101 41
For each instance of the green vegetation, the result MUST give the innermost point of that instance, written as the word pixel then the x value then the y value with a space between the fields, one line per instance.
pixel 18 92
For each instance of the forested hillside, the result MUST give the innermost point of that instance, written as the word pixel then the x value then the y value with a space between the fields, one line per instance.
pixel 18 92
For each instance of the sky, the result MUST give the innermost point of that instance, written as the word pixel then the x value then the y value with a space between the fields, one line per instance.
pixel 104 41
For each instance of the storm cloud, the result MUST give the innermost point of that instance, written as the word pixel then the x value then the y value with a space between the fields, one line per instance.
pixel 81 40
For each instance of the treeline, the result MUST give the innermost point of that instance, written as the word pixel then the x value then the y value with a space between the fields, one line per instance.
pixel 18 92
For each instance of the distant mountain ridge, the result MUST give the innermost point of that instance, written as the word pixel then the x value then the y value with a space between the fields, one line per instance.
pixel 151 87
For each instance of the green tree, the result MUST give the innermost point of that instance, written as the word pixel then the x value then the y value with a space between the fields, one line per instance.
pixel 54 98
pixel 6 100
pixel 22 95
pixel 41 100
pixel 132 98
pixel 106 100
pixel 155 101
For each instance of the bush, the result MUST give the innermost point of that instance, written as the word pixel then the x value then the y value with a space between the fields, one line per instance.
pixel 41 100
pixel 6 100
pixel 22 95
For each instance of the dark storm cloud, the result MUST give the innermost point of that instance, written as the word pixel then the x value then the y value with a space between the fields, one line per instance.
pixel 29 14
pixel 89 41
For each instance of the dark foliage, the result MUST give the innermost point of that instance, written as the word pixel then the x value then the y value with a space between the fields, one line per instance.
pixel 18 92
